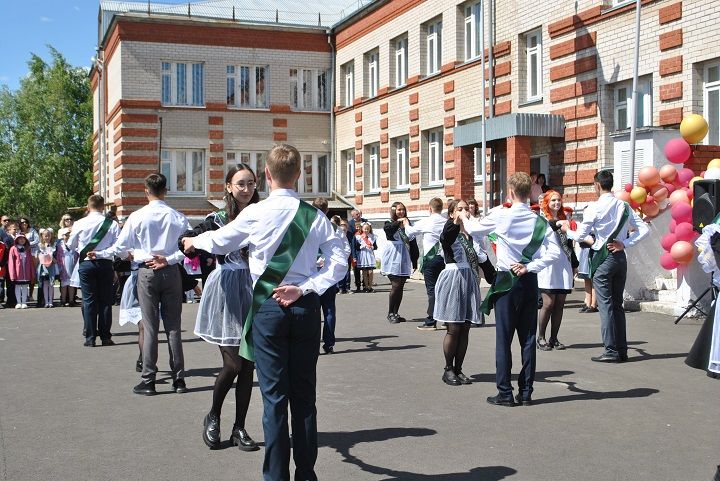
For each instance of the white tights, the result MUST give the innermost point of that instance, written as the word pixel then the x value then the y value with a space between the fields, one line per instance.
pixel 21 293
pixel 48 291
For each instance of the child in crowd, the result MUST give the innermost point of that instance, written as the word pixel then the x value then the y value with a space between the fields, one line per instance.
pixel 66 259
pixel 21 269
pixel 46 266
pixel 365 246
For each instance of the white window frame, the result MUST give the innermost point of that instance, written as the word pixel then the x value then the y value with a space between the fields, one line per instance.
pixel 374 165
pixel 402 164
pixel 170 160
pixel 401 62
pixel 309 89
pixel 477 164
pixel 534 52
pixel 373 72
pixel 473 28
pixel 713 118
pixel 255 159
pixel 190 96
pixel 644 99
pixel 349 155
pixel 312 172
pixel 434 47
pixel 254 99
pixel 617 3
pixel 436 172
pixel 621 154
pixel 349 74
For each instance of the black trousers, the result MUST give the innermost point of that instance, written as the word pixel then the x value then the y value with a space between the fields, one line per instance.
pixel 96 282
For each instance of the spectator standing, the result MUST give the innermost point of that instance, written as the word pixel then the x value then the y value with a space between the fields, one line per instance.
pixel 356 220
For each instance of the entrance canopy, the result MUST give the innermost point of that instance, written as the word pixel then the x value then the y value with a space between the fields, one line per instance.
pixel 511 125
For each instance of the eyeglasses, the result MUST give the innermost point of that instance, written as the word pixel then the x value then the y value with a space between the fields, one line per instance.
pixel 5 220
pixel 24 222
pixel 245 185
pixel 66 219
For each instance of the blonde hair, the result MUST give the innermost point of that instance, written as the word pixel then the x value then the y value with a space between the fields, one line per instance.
pixel 283 162
pixel 520 183
pixel 42 232
pixel 366 224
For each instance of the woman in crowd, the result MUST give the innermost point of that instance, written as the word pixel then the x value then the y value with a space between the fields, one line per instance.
pixel 457 292
pixel 556 281
pixel 590 303
pixel 396 262
pixel 66 222
pixel 226 301
pixel 33 240
pixel 365 246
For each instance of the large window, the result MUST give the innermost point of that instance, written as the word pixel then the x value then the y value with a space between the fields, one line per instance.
pixel 623 104
pixel 373 156
pixel 247 86
pixel 434 47
pixel 473 28
pixel 256 160
pixel 436 175
pixel 372 67
pixel 711 102
pixel 184 170
pixel 533 64
pixel 401 61
pixel 309 89
pixel 348 93
pixel 348 157
pixel 401 164
pixel 314 174
pixel 182 84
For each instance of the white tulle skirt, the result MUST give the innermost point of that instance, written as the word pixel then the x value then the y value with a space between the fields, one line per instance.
pixel 129 305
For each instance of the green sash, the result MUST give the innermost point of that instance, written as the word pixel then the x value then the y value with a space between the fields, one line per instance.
pixel 597 257
pixel 97 238
pixel 506 280
pixel 470 254
pixel 404 238
pixel 277 269
pixel 429 256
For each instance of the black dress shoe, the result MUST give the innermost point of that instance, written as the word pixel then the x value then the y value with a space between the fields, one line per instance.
pixel 108 342
pixel 89 344
pixel 501 401
pixel 211 430
pixel 400 318
pixel 242 440
pixel 328 350
pixel 462 377
pixel 145 388
pixel 392 318
pixel 584 308
pixel 623 357
pixel 606 358
pixel 450 378
pixel 525 401
pixel 179 386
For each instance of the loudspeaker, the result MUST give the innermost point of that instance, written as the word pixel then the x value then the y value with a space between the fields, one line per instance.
pixel 705 202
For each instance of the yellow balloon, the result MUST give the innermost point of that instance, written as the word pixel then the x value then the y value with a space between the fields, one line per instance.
pixel 692 181
pixel 713 164
pixel 638 195
pixel 693 128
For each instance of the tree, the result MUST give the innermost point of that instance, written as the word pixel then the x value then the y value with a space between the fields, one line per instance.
pixel 45 141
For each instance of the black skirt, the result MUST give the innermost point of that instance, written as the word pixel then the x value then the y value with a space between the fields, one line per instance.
pixel 699 355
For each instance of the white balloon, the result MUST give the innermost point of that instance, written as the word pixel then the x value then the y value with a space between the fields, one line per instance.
pixel 712 173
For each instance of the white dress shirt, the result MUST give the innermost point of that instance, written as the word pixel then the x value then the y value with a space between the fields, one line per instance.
pixel 85 229
pixel 514 227
pixel 151 230
pixel 602 218
pixel 262 227
pixel 430 227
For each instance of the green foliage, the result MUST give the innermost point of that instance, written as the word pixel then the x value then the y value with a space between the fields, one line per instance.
pixel 46 141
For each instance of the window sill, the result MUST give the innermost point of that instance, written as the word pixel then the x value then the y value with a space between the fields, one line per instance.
pixel 182 106
pixel 433 186
pixel 644 129
pixel 433 74
pixel 314 111
pixel 404 188
pixel 530 102
pixel 185 194
pixel 372 193
pixel 618 6
pixel 251 109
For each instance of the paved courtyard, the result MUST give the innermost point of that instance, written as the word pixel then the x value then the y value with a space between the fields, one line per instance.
pixel 68 413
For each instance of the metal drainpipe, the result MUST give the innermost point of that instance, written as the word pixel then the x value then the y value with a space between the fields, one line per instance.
pixel 101 125
pixel 333 169
pixel 491 92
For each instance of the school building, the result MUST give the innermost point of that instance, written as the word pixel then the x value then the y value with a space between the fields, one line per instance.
pixel 385 103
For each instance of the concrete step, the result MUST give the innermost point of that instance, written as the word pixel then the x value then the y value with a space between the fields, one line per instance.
pixel 660 307
pixel 665 283
pixel 668 295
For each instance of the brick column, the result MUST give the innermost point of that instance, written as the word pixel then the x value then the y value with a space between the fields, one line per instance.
pixel 464 172
pixel 518 154
pixel 216 159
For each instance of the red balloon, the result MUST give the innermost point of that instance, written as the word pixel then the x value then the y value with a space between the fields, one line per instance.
pixel 681 212
pixel 684 231
pixel 649 199
pixel 682 252
pixel 668 240
pixel 667 262
pixel 628 187
pixel 689 192
pixel 670 188
pixel 672 226
pixel 685 176
pixel 634 204
pixel 677 151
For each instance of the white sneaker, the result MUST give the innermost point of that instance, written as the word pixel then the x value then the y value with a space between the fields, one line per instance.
pixel 18 306
pixel 24 306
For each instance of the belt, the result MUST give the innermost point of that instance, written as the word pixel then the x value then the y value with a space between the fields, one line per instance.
pixel 142 265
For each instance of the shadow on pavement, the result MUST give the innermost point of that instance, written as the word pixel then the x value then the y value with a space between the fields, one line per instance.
pixel 372 344
pixel 541 376
pixel 599 345
pixel 343 442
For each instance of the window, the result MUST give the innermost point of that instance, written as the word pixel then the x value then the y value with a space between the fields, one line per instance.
pixel 373 155
pixel 477 161
pixel 348 157
pixel 643 158
pixel 623 104
pixel 372 61
pixel 184 170
pixel 711 103
pixel 435 157
pixel 256 160
pixel 314 174
pixel 401 167
pixel 434 47
pixel 246 86
pixel 182 84
pixel 473 29
pixel 349 84
pixel 533 64
pixel 616 3
pixel 401 61
pixel 308 89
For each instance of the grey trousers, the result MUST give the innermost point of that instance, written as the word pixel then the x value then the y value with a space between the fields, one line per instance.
pixel 160 295
pixel 609 284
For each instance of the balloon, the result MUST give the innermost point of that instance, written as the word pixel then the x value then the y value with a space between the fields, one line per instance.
pixel 650 209
pixel 623 196
pixel 659 193
pixel 712 173
pixel 682 252
pixel 679 197
pixel 693 128
pixel 668 173
pixel 689 193
pixel 713 164
pixel 667 241
pixel 634 205
pixel 628 187
pixel 672 226
pixel 681 212
pixel 692 181
pixel 649 199
pixel 684 231
pixel 677 151
pixel 667 262
pixel 684 176
pixel 638 195
pixel 649 176
pixel 670 188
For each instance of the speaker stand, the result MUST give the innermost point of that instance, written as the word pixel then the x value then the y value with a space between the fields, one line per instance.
pixel 693 304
